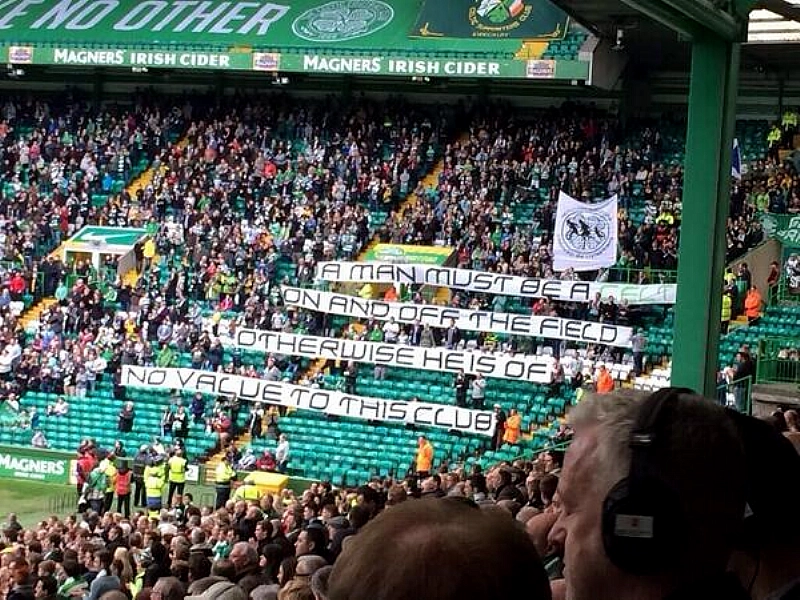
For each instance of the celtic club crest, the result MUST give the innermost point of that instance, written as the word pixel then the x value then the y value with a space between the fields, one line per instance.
pixel 584 233
pixel 343 20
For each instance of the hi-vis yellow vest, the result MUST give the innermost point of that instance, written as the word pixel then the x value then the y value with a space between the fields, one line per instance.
pixel 224 474
pixel 154 480
pixel 177 469
pixel 247 491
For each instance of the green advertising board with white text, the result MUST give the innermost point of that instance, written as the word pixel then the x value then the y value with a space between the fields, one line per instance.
pixel 336 36
pixel 34 465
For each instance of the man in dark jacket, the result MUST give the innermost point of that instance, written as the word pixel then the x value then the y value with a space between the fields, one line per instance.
pixel 24 582
pixel 139 464
pixel 249 574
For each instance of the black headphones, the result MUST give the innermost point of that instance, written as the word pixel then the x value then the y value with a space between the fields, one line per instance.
pixel 642 521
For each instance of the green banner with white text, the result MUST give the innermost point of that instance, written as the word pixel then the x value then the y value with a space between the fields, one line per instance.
pixel 320 36
pixel 492 19
pixel 784 228
pixel 34 465
pixel 298 63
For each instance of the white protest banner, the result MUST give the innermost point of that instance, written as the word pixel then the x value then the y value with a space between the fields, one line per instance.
pixel 471 320
pixel 585 237
pixel 536 369
pixel 331 402
pixel 495 283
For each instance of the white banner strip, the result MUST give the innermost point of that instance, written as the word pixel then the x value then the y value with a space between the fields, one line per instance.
pixel 331 402
pixel 470 320
pixel 536 369
pixel 495 283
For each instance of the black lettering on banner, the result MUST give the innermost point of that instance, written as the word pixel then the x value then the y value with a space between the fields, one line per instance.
pixel 453 361
pixel 396 411
pixel 370 409
pixel 346 402
pixel 431 315
pixel 483 282
pixel 465 280
pixel 246 338
pixel 319 401
pixel 450 313
pixel 608 334
pixel 207 380
pixel 132 376
pixel 502 279
pixel 401 274
pixel 463 419
pixel 520 324
pixel 438 276
pixel 329 349
pixel 440 420
pixel 297 397
pixel 536 369
pixel 497 321
pixel 380 309
pixel 548 325
pixel 514 369
pixel 330 271
pixel 354 352
pixel 484 422
pixel 185 377
pixel 263 337
pixel 255 384
pixel 291 295
pixel 405 356
pixel 311 299
pixel 417 416
pixel 587 336
pixel 361 272
pixel 339 305
pixel 307 346
pixel 156 377
pixel 551 289
pixel 408 313
pixel 272 392
pixel 485 364
pixel 223 389
pixel 476 318
pixel 384 353
pixel 572 329
pixel 530 287
pixel 285 344
pixel 580 291
pixel 432 356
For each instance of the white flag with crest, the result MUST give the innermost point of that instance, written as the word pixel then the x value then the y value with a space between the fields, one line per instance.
pixel 585 238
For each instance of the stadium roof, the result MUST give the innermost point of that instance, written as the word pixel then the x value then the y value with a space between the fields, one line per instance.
pixel 771 38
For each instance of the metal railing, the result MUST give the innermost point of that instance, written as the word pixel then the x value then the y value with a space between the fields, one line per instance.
pixel 738 394
pixel 774 368
pixel 646 275
pixel 783 294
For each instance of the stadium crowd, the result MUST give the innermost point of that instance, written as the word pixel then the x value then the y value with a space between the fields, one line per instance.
pixel 543 520
pixel 256 183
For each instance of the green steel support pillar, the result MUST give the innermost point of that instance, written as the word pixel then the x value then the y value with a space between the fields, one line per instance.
pixel 706 197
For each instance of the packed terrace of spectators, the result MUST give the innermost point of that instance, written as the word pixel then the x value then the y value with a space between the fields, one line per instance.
pixel 251 193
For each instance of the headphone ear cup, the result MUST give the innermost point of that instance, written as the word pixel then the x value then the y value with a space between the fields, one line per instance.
pixel 641 528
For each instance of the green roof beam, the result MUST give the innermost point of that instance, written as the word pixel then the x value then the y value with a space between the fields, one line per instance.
pixel 658 11
pixel 707 14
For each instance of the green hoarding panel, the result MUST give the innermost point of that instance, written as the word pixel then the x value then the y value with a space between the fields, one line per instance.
pixel 491 19
pixel 299 25
pixel 362 64
pixel 34 465
pixel 784 228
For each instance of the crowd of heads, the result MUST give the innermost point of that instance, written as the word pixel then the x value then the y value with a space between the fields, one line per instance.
pixel 664 495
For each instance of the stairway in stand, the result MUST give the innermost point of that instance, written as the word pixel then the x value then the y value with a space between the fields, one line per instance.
pixel 35 311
